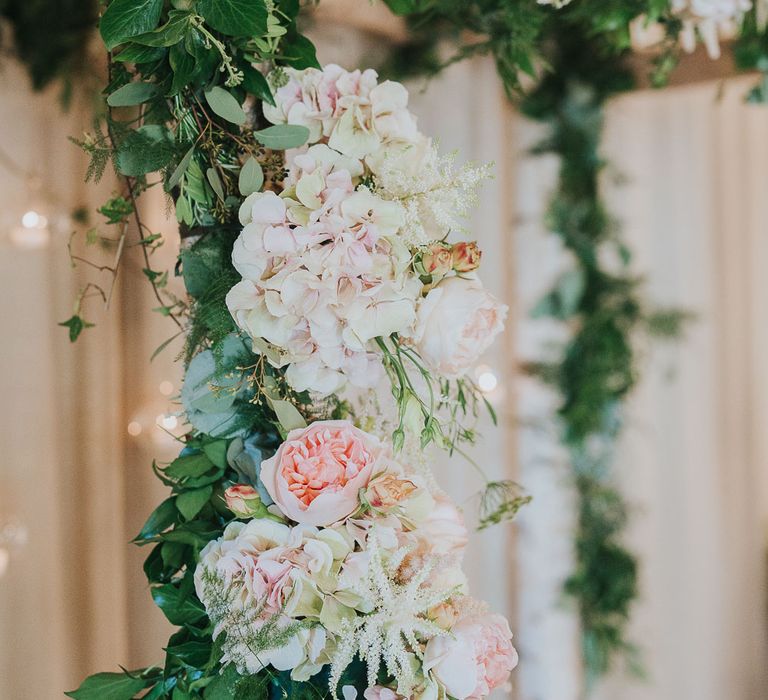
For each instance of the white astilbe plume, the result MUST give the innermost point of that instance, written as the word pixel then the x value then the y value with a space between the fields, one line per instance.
pixel 555 3
pixel 394 631
pixel 436 195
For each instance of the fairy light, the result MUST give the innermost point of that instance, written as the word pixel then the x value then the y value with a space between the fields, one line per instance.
pixel 32 233
pixel 166 388
pixel 134 428
pixel 167 421
pixel 487 381
pixel 13 535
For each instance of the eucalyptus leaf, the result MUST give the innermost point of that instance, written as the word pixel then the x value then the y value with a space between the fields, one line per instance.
pixel 132 94
pixel 251 177
pixel 235 17
pixel 224 104
pixel 110 686
pixel 181 168
pixel 125 19
pixel 287 415
pixel 215 182
pixel 282 136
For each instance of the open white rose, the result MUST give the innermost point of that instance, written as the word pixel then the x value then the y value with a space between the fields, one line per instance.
pixel 456 322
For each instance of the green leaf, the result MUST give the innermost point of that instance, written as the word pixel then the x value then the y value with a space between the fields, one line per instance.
pixel 251 177
pixel 184 211
pixel 181 168
pixel 161 519
pixel 256 84
pixel 401 7
pixel 172 32
pixel 282 136
pixel 147 149
pixel 110 686
pixel 76 326
pixel 235 17
pixel 287 415
pixel 132 94
pixel 226 106
pixel 222 687
pixel 184 68
pixel 190 503
pixel 192 653
pixel 124 19
pixel 179 608
pixel 135 53
pixel 188 466
pixel 215 181
pixel 299 52
pixel 217 452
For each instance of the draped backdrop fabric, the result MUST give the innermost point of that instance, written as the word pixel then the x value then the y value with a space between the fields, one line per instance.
pixel 693 462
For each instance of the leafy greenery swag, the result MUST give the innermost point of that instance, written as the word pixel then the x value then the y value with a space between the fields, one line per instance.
pixel 178 74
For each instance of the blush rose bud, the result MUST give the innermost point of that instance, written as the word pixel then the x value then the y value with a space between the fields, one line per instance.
pixel 466 257
pixel 437 260
pixel 387 490
pixel 243 500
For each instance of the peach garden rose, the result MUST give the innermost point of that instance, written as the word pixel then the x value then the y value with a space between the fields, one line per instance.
pixel 315 476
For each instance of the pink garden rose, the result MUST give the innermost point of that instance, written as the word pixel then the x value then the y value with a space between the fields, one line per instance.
pixel 243 500
pixel 457 321
pixel 316 474
pixel 475 658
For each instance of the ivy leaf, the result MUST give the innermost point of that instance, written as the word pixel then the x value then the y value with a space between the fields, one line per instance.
pixel 180 608
pixel 282 136
pixel 111 686
pixel 144 150
pixel 192 653
pixel 299 52
pixel 251 177
pixel 225 105
pixel 76 326
pixel 256 84
pixel 132 94
pixel 172 32
pixel 184 68
pixel 190 503
pixel 235 17
pixel 222 687
pixel 124 19
pixel 161 519
pixel 134 53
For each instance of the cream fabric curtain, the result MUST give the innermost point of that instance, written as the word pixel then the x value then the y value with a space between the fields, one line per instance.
pixel 687 182
pixel 73 600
